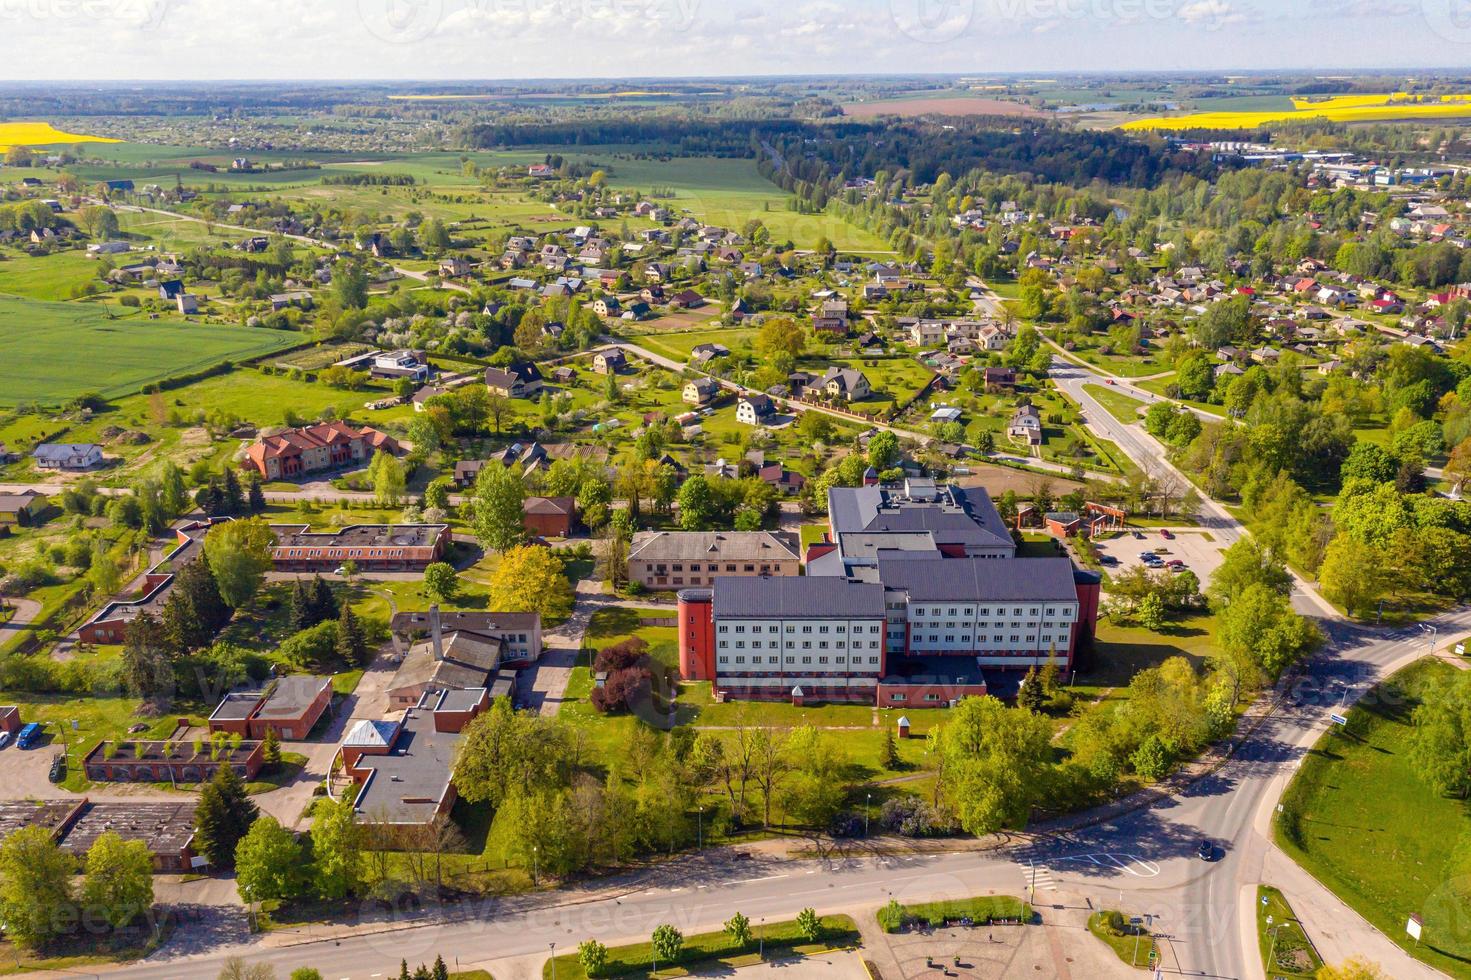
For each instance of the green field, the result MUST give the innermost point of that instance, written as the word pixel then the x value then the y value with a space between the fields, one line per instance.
pixel 56 351
pixel 1362 821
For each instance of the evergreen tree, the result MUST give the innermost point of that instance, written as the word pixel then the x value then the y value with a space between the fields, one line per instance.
pixel 403 971
pixel 352 645
pixel 301 607
pixel 255 497
pixel 234 495
pixel 889 750
pixel 324 601
pixel 271 748
pixel 223 816
pixel 441 972
pixel 146 667
pixel 210 498
pixel 1031 696
pixel 197 580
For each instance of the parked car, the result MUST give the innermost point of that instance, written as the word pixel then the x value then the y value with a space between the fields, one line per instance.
pixel 1138 535
pixel 1107 560
pixel 1206 850
pixel 4 739
pixel 58 768
pixel 1108 381
pixel 28 735
pixel 1167 534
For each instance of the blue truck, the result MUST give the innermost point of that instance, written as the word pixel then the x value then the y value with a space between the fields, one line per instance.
pixel 28 735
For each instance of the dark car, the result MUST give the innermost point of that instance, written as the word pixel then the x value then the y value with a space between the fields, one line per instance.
pixel 1206 850
pixel 58 769
pixel 1167 535
pixel 1108 560
pixel 1139 535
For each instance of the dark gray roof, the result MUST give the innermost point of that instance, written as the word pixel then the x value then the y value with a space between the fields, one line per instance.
pixel 407 785
pixel 787 597
pixel 981 579
pixel 965 517
pixel 292 695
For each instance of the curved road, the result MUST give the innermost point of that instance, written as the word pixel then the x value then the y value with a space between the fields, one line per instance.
pixel 1145 861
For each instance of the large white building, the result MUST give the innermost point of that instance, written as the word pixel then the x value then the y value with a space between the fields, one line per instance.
pixel 915 596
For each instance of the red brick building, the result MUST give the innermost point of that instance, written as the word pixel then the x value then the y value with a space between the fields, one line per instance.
pixel 166 761
pixel 550 517
pixel 289 706
pixel 371 547
pixel 10 719
pixel 315 448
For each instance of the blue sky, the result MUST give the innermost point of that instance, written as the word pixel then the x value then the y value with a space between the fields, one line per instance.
pixel 468 39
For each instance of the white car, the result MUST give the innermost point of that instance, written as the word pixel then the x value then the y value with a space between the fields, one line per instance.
pixel 4 739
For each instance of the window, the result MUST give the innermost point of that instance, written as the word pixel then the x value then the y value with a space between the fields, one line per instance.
pixel 740 660
pixel 730 568
pixel 724 628
pixel 898 697
pixel 807 660
pixel 750 568
pixel 822 629
pixel 932 697
pixel 822 644
pixel 873 660
pixel 678 580
pixel 678 567
pixel 740 629
pixel 822 660
pixel 807 629
pixel 806 644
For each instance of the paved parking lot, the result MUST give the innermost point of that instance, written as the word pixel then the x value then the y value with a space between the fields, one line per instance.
pixel 1196 548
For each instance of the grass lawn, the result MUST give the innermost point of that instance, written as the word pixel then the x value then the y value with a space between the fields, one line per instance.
pixel 1285 948
pixel 714 951
pixel 43 341
pixel 1118 404
pixel 1362 821
pixel 812 534
pixel 1135 950
pixel 985 909
pixel 1159 385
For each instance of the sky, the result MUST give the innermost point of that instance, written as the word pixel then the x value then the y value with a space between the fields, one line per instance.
pixel 520 39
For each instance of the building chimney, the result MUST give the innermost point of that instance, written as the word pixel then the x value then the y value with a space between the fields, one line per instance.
pixel 436 635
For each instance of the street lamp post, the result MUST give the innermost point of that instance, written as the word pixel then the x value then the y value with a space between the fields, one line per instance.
pixel 1431 631
pixel 554 960
pixel 700 830
pixel 761 941
pixel 867 806
pixel 535 863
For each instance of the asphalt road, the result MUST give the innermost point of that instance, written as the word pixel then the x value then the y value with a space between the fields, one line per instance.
pixel 1146 862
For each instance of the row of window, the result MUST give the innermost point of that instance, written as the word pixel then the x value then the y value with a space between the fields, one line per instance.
pixel 840 628
pixel 725 659
pixel 995 638
pixel 953 611
pixel 806 645
pixel 661 569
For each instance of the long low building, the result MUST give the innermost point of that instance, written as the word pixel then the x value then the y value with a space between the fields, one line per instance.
pixel 289 706
pixel 664 560
pixel 371 547
pixel 166 828
pixel 110 623
pixel 916 595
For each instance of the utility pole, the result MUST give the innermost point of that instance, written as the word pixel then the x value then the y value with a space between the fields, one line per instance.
pixel 867 805
pixel 700 830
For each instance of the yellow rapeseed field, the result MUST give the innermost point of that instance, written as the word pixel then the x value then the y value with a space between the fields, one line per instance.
pixel 1339 108
pixel 41 134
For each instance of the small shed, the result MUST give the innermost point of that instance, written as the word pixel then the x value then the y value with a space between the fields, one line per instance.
pixel 903 726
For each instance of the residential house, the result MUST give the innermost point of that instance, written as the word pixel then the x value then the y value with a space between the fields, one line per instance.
pixel 1026 424
pixel 999 378
pixel 703 354
pixel 755 409
pixel 700 391
pixel 846 384
pixel 24 508
pixel 549 517
pixel 832 318
pixel 67 456
pixel 609 361
pixel 515 381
